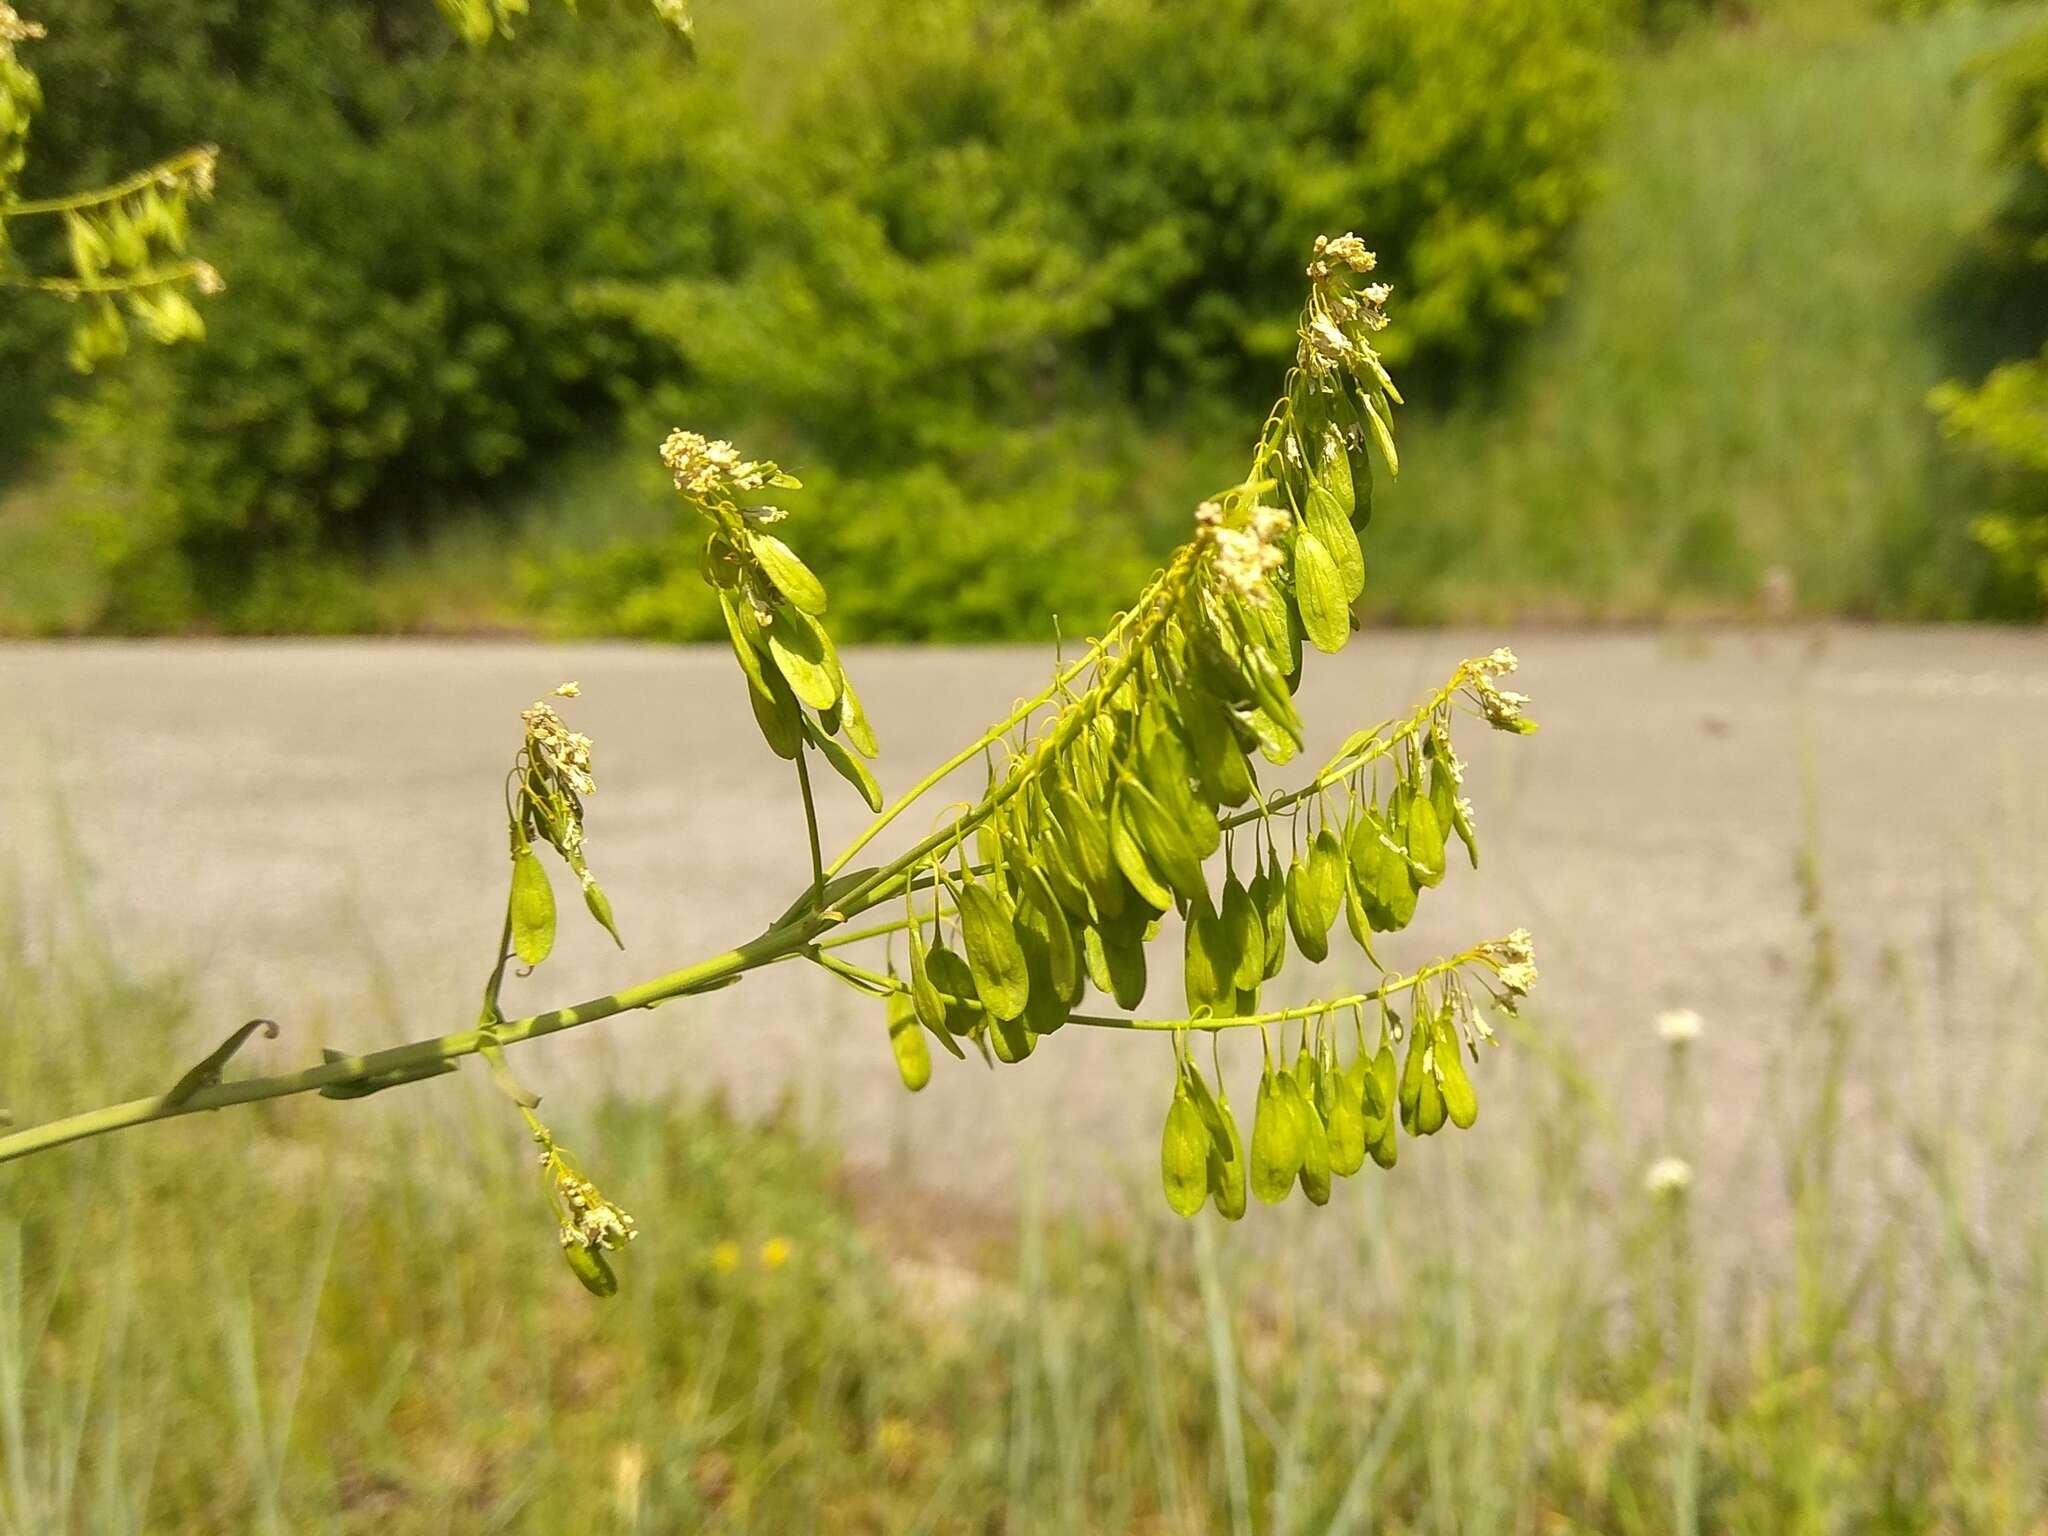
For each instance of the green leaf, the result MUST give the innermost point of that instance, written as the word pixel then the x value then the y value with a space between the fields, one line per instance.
pixel 1001 978
pixel 533 908
pixel 790 576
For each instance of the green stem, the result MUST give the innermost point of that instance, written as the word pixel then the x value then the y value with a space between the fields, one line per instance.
pixel 134 282
pixel 417 1058
pixel 97 196
pixel 818 871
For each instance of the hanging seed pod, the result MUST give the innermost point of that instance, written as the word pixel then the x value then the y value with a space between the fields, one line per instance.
pixel 1209 967
pixel 1276 1142
pixel 1461 1102
pixel 1313 942
pixel 1319 589
pixel 1001 979
pixel 849 767
pixel 1425 841
pixel 1128 846
pixel 1045 1010
pixel 600 907
pixel 1332 529
pixel 774 706
pixel 1245 933
pixel 1344 1117
pixel 1325 881
pixel 1314 1140
pixel 854 720
pixel 1063 952
pixel 1413 1073
pixel 1221 768
pixel 954 981
pixel 906 1042
pixel 1088 833
pixel 1184 1153
pixel 590 1266
pixel 1116 957
pixel 786 573
pixel 532 907
pixel 1385 1148
pixel 925 1000
pixel 1226 1169
pixel 1269 896
pixel 800 652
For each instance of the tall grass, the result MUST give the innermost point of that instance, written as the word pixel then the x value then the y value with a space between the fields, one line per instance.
pixel 336 1318
pixel 1733 395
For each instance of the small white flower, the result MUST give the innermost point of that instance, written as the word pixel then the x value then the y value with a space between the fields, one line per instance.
pixel 1668 1176
pixel 1679 1026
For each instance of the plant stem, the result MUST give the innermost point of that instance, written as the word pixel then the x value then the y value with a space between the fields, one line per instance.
pixel 420 1056
pixel 75 201
pixel 803 779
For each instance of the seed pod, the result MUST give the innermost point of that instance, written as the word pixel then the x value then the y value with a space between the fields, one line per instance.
pixel 1319 589
pixel 1385 1150
pixel 849 767
pixel 1332 528
pixel 1425 841
pixel 1128 848
pixel 1276 1143
pixel 1269 896
pixel 1315 1143
pixel 855 720
pixel 993 955
pixel 1344 1117
pixel 1246 934
pixel 906 1041
pixel 1184 1155
pixel 1325 879
pixel 929 1006
pixel 774 706
pixel 1461 1102
pixel 1210 966
pixel 1226 1169
pixel 591 1267
pixel 533 907
pixel 1063 953
pixel 789 575
pixel 1116 960
pixel 1430 1110
pixel 600 907
pixel 1333 472
pixel 1045 1010
pixel 1314 943
pixel 803 656
pixel 1221 767
pixel 954 981
pixel 1413 1074
pixel 1164 770
pixel 1088 833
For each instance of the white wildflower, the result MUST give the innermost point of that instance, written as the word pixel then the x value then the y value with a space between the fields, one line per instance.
pixel 1668 1176
pixel 1679 1026
pixel 1244 555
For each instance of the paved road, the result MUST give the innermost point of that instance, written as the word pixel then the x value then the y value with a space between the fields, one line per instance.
pixel 314 827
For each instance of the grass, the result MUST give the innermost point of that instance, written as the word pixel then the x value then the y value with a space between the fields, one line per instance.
pixel 346 1318
pixel 1736 384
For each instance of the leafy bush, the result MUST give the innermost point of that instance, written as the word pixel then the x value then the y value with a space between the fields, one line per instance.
pixel 2003 421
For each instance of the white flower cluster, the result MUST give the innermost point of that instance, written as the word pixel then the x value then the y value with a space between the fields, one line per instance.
pixel 705 469
pixel 1246 555
pixel 1514 962
pixel 591 1220
pixel 561 750
pixel 14 28
pixel 1501 707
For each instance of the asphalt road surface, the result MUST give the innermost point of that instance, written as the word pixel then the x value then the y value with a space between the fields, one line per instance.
pixel 314 832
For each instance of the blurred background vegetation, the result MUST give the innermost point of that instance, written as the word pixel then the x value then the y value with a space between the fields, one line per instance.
pixel 1008 281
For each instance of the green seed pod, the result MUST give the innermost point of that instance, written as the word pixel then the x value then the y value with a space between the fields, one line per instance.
pixel 789 575
pixel 1386 1148
pixel 1223 770
pixel 1127 845
pixel 1314 1139
pixel 1325 880
pixel 1413 1075
pixel 1226 1170
pixel 1184 1156
pixel 1314 943
pixel 855 720
pixel 1012 1040
pixel 601 908
pixel 1461 1102
pixel 1425 841
pixel 1430 1110
pixel 1269 895
pixel 848 767
pixel 1344 1118
pixel 1332 529
pixel 802 654
pixel 1210 964
pixel 955 983
pixel 1319 589
pixel 1116 960
pixel 533 908
pixel 1276 1143
pixel 1063 951
pixel 1246 933
pixel 591 1267
pixel 994 956
pixel 1088 834
pixel 906 1041
pixel 929 1006
pixel 1045 1010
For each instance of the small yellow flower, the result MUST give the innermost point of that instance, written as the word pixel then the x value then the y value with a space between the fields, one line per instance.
pixel 775 1253
pixel 725 1258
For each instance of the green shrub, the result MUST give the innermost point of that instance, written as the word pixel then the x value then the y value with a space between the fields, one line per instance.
pixel 2003 421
